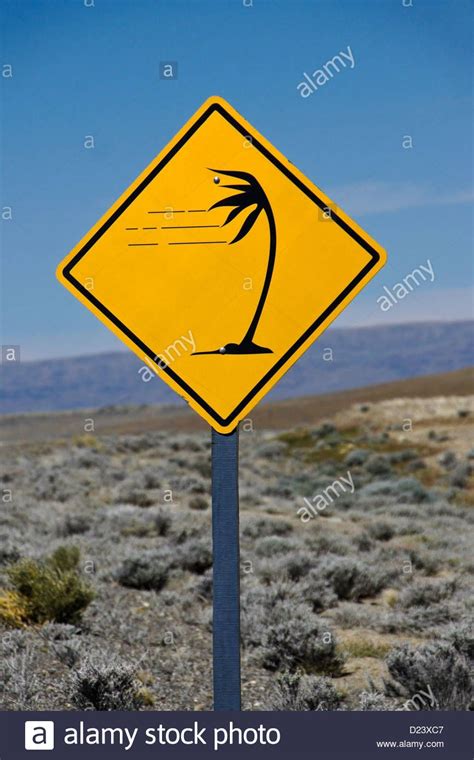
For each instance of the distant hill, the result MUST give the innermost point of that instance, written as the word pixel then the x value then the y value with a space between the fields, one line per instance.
pixel 360 357
pixel 306 411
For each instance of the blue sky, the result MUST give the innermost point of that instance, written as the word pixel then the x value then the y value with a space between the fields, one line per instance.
pixel 81 70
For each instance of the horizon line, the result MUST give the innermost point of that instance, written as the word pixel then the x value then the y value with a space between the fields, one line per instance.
pixel 124 350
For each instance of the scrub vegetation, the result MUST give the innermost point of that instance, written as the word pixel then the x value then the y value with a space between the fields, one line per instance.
pixel 106 565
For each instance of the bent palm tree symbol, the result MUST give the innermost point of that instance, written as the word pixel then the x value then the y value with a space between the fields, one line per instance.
pixel 251 194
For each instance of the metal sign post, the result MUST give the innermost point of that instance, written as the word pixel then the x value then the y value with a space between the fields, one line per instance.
pixel 226 570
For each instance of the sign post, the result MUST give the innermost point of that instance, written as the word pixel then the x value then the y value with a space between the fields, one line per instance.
pixel 226 570
pixel 219 266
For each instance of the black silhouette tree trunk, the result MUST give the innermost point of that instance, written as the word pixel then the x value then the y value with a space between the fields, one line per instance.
pixel 250 194
pixel 249 335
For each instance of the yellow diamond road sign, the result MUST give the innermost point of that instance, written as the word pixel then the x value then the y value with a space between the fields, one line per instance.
pixel 220 265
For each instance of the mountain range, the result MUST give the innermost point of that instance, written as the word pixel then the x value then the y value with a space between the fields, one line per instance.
pixel 342 358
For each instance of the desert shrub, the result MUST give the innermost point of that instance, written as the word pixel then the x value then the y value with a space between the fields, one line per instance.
pixel 179 461
pixel 329 543
pixel 429 618
pixel 411 490
pixel 148 571
pixel 382 531
pixel 249 499
pixel 297 439
pixel 68 652
pixel 257 607
pixel 442 437
pixel 441 508
pixel 20 685
pixel 378 464
pixel 199 503
pixel 408 527
pixel 365 646
pixel 439 666
pixel 462 638
pixel 257 527
pixel 139 528
pixel 352 579
pixel 9 552
pixel 291 566
pixel 447 459
pixel 363 542
pixel 427 561
pixel 53 485
pixel 271 449
pixel 149 478
pixel 297 692
pixel 162 523
pixel 113 475
pixel 357 457
pixel 52 588
pixel 403 456
pixel 204 586
pixel 423 594
pixel 402 490
pixel 375 701
pixel 15 641
pixel 350 616
pixel 111 686
pixel 409 511
pixel 74 524
pixel 203 466
pixel 304 482
pixel 460 475
pixel 187 443
pixel 185 530
pixel 188 484
pixel 52 632
pixel 199 486
pixel 195 556
pixel 142 523
pixel 133 494
pixel 295 638
pixel 271 546
pixel 316 591
pixel 136 443
pixel 86 441
pixel 12 610
pixel 175 599
pixel 326 429
pixel 296 565
pixel 415 465
pixel 88 458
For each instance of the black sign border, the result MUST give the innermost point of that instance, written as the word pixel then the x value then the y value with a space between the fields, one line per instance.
pixel 67 273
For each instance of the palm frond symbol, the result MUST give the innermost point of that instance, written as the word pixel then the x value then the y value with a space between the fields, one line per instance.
pixel 250 194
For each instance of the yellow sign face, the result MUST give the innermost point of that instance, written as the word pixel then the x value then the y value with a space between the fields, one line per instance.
pixel 220 265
